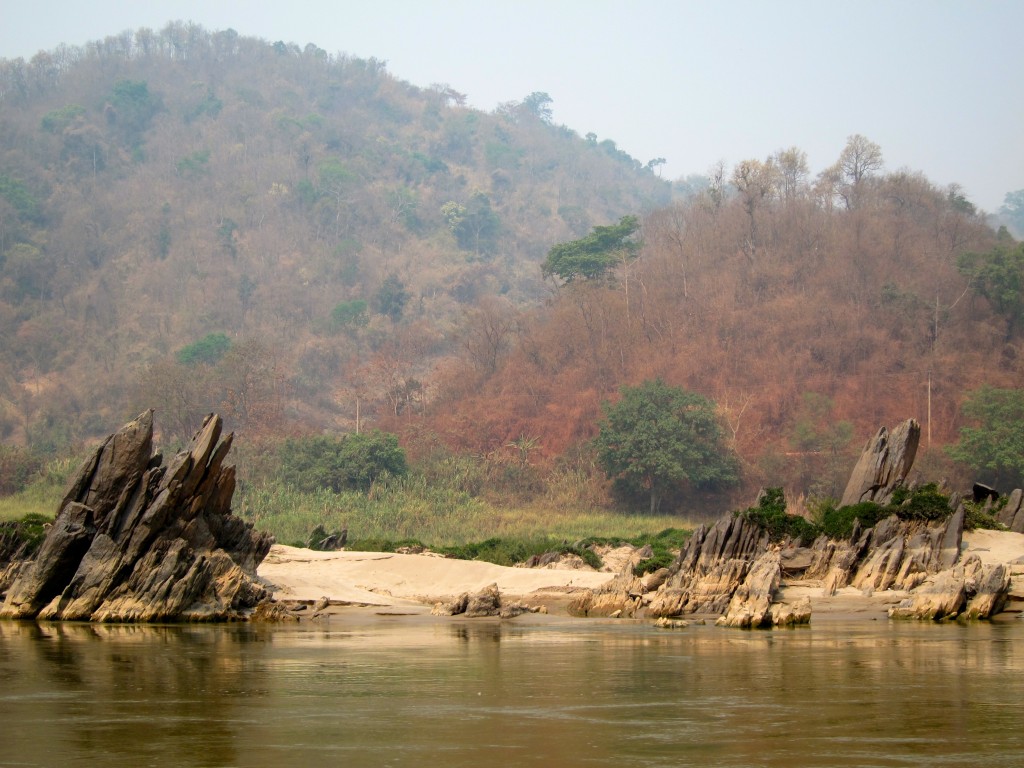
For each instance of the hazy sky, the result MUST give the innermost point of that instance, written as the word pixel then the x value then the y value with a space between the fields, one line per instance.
pixel 937 84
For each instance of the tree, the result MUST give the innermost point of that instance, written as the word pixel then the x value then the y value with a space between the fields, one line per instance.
pixel 999 276
pixel 592 257
pixel 207 351
pixel 391 298
pixel 1012 211
pixel 994 445
pixel 350 462
pixel 475 225
pixel 658 437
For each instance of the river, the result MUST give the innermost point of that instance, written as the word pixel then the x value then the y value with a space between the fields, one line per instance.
pixel 417 691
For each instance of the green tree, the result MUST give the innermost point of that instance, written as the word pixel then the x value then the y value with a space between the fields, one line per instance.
pixel 391 298
pixel 347 314
pixel 658 438
pixel 592 257
pixel 350 462
pixel 994 445
pixel 475 225
pixel 999 276
pixel 207 351
pixel 132 107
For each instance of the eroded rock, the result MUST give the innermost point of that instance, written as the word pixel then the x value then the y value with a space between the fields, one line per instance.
pixel 136 541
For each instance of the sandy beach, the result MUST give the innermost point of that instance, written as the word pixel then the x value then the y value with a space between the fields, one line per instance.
pixel 414 582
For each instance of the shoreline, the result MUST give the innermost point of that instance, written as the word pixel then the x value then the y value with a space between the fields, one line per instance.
pixel 326 584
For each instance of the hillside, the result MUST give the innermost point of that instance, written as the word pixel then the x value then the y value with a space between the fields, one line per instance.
pixel 305 243
pixel 315 210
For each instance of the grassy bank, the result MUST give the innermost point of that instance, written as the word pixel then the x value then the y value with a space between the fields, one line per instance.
pixel 410 509
pixel 395 510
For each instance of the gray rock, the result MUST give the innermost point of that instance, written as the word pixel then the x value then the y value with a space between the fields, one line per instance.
pixel 134 541
pixel 884 464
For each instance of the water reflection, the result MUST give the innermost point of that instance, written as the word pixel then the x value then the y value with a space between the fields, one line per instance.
pixel 470 693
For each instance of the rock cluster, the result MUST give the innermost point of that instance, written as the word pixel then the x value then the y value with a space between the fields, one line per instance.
pixel 486 602
pixel 733 571
pixel 134 540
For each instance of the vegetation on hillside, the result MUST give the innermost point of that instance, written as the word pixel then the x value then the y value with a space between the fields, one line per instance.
pixel 198 221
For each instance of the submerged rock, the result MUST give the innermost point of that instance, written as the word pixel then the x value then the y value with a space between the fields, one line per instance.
pixel 134 540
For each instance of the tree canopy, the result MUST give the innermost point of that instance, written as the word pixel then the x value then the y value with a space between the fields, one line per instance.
pixel 999 276
pixel 591 257
pixel 993 445
pixel 659 437
pixel 350 462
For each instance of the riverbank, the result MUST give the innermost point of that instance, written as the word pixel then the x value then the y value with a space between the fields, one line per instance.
pixel 331 581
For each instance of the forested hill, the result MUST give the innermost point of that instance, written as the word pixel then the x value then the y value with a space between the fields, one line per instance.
pixel 309 211
pixel 303 242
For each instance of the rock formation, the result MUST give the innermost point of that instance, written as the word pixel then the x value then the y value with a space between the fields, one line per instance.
pixel 134 540
pixel 733 571
pixel 884 464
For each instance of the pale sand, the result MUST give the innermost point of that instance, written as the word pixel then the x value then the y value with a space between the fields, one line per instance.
pixel 384 579
pixel 411 582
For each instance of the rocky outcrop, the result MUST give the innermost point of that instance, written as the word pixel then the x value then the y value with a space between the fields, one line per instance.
pixel 1012 513
pixel 710 569
pixel 968 590
pixel 884 464
pixel 486 602
pixel 134 540
pixel 751 603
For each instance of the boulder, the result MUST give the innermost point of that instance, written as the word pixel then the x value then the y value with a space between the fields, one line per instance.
pixel 884 464
pixel 1011 508
pixel 750 606
pixel 136 541
pixel 792 614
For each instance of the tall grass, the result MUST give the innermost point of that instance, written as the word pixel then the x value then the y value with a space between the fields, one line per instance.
pixel 43 494
pixel 413 508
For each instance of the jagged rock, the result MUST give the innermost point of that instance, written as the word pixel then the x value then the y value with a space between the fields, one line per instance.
pixel 651 581
pixel 272 612
pixel 750 606
pixel 884 464
pixel 486 602
pixel 451 607
pixel 992 593
pixel 790 615
pixel 942 596
pixel 136 541
pixel 711 567
pixel 1011 509
pixel 666 623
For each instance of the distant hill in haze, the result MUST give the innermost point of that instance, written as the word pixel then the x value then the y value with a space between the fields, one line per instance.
pixel 158 188
pixel 198 221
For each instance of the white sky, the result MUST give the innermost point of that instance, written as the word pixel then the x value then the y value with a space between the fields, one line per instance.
pixel 937 84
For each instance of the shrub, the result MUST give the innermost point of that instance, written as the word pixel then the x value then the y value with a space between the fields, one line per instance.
pixel 837 523
pixel 351 462
pixel 207 351
pixel 770 514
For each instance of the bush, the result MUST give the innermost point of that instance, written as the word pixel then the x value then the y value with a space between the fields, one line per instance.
pixel 837 523
pixel 351 462
pixel 770 514
pixel 17 467
pixel 207 351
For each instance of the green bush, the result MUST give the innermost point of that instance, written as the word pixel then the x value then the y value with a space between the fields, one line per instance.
pixel 770 514
pixel 350 462
pixel 207 351
pixel 837 523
